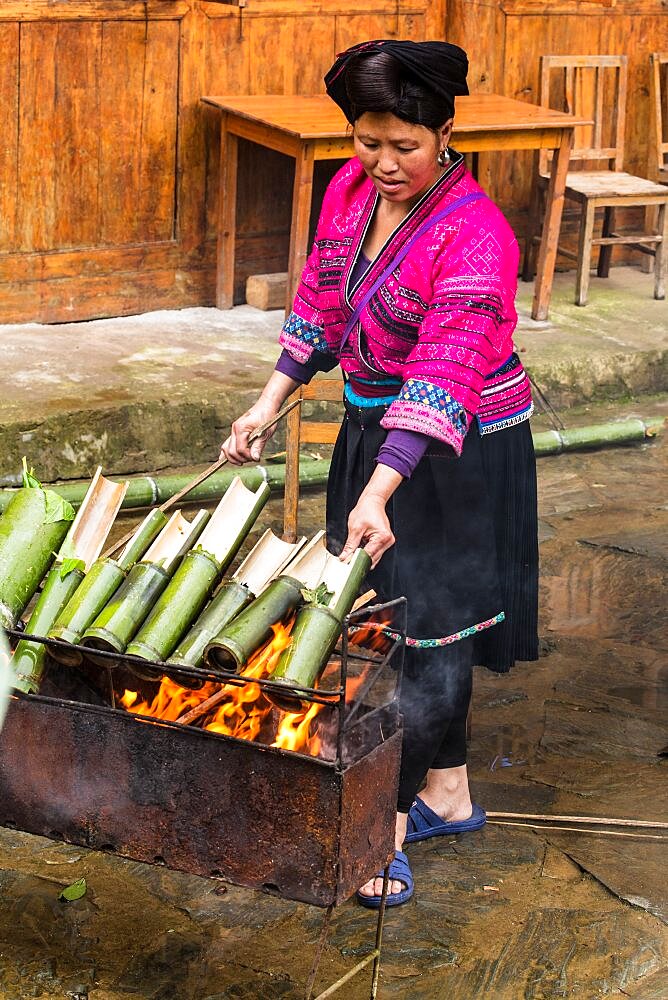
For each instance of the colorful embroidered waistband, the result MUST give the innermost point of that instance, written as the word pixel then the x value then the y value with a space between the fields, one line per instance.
pixel 449 639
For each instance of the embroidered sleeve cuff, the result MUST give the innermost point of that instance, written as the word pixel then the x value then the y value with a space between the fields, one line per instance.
pixel 301 338
pixel 430 410
pixel 402 450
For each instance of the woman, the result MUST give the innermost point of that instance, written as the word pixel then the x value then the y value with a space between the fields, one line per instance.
pixel 410 287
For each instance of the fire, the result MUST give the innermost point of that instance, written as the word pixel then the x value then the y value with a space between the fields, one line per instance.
pixel 293 731
pixel 373 635
pixel 241 711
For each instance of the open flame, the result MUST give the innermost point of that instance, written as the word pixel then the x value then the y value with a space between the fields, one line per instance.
pixel 373 635
pixel 241 711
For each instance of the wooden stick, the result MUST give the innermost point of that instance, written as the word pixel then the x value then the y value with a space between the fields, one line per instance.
pixel 257 433
pixel 362 600
pixel 597 820
pixel 576 829
pixel 204 707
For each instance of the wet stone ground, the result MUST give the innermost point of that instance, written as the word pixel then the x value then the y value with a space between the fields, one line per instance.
pixel 509 912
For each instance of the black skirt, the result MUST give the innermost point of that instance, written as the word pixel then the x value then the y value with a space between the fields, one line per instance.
pixel 466 550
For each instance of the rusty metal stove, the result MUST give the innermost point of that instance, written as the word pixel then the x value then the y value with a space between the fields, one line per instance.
pixel 301 827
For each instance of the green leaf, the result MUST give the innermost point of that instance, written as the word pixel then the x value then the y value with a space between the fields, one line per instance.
pixel 30 481
pixel 318 596
pixel 74 891
pixel 67 565
pixel 57 509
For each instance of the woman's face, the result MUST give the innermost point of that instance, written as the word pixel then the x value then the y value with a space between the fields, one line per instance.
pixel 400 158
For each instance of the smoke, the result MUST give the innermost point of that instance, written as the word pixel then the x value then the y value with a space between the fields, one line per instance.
pixel 5 677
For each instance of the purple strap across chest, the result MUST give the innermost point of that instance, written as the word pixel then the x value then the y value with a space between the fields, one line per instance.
pixel 425 227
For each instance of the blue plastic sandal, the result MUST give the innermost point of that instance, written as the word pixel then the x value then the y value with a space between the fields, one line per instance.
pixel 400 871
pixel 424 823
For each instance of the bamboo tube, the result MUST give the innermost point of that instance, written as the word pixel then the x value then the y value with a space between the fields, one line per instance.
pixel 143 538
pixel 29 657
pixel 231 599
pixel 122 617
pixel 317 628
pixel 29 537
pixel 83 607
pixel 180 603
pixel 235 645
pixel 197 575
pixel 237 642
pixel 80 549
pixel 263 563
pixel 97 589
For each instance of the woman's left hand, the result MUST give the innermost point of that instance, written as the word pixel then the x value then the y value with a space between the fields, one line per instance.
pixel 368 527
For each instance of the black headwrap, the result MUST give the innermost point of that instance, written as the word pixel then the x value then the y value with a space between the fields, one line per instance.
pixel 436 66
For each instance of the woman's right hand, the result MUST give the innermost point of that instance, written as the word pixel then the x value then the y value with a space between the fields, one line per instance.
pixel 236 448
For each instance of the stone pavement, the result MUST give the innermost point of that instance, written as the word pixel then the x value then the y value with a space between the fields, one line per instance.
pixel 508 913
pixel 143 393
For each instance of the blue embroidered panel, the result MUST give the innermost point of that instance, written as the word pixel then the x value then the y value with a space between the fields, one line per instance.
pixel 307 332
pixel 428 394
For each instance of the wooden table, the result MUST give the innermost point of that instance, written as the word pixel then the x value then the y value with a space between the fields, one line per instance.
pixel 313 128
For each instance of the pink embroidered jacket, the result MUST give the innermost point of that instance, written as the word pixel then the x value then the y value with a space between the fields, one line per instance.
pixel 438 330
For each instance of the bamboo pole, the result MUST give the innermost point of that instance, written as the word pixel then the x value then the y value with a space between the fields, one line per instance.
pixel 148 490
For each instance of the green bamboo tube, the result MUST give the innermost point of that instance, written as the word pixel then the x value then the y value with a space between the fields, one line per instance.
pixel 237 642
pixel 29 657
pixel 177 607
pixel 97 589
pixel 146 491
pixel 553 442
pixel 99 586
pixel 27 546
pixel 315 632
pixel 313 638
pixel 125 613
pixel 230 600
pixel 147 531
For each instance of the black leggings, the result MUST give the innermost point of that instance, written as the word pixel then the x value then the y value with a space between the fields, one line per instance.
pixel 435 696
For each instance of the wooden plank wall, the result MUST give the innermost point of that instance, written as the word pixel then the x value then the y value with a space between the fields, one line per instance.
pixel 505 40
pixel 108 162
